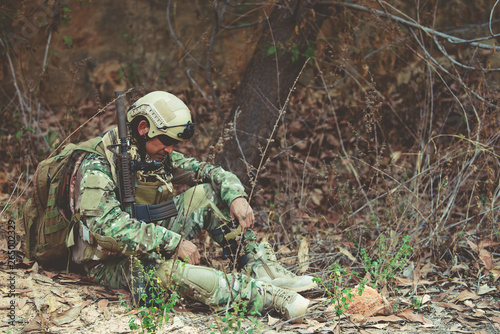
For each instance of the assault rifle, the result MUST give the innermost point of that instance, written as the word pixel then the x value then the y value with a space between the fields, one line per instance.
pixel 126 176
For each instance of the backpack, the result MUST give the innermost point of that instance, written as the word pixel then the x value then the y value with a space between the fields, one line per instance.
pixel 46 220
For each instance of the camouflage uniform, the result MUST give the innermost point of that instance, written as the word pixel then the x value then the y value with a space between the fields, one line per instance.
pixel 108 237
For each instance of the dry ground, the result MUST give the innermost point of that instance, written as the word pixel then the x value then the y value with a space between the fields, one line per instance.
pixel 56 302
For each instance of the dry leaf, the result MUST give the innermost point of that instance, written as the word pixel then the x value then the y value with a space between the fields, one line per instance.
pixel 443 295
pixel 389 318
pixel 102 304
pixel 424 299
pixel 484 289
pixel 303 255
pixel 316 327
pixel 346 253
pixel 67 316
pixel 285 257
pixel 466 295
pixel 34 325
pixel 406 282
pixel 486 258
pixel 272 321
pixel 452 306
pixel 53 305
pixel 472 245
pixel 409 315
pixel 487 243
pixel 358 318
pixel 427 269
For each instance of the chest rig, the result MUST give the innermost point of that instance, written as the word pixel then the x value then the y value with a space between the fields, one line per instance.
pixel 150 182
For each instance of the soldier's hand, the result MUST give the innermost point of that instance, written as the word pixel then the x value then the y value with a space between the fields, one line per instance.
pixel 188 251
pixel 241 210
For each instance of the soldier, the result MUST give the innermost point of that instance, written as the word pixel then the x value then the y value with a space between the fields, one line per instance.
pixel 117 249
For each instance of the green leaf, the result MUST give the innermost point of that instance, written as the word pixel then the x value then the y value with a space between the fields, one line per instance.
pixel 309 53
pixel 272 50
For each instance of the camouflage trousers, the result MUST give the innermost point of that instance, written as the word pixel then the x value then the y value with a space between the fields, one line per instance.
pixel 199 208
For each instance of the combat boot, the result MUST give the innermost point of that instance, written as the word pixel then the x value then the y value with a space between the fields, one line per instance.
pixel 288 303
pixel 263 266
pixel 218 290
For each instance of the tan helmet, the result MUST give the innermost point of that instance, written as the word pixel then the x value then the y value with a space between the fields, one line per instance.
pixel 166 113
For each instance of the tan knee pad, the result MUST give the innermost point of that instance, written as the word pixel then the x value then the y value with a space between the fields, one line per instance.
pixel 187 278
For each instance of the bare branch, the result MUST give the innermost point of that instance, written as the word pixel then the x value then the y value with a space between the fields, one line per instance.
pixel 429 31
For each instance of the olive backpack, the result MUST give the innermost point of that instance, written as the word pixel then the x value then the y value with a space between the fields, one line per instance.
pixel 45 221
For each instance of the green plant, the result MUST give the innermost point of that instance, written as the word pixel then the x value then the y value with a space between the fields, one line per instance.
pixel 66 17
pixel 232 321
pixel 388 261
pixel 416 303
pixel 156 304
pixel 68 42
pixel 340 297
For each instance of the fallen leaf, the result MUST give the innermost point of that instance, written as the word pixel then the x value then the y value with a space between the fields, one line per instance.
pixel 487 243
pixel 427 269
pixel 406 282
pixel 496 274
pixel 346 253
pixel 389 318
pixel 460 266
pixel 34 325
pixel 452 306
pixel 303 255
pixel 486 258
pixel 472 245
pixel 409 315
pixel 43 279
pixel 316 327
pixel 484 289
pixel 467 323
pixel 358 318
pixel 424 299
pixel 53 305
pixel 272 321
pixel 67 316
pixel 466 295
pixel 102 304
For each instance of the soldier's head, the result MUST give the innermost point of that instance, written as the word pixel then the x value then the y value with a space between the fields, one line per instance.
pixel 160 120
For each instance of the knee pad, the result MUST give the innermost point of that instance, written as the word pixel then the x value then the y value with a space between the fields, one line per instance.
pixel 189 279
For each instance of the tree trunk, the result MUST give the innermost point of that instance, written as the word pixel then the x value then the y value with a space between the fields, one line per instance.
pixel 293 25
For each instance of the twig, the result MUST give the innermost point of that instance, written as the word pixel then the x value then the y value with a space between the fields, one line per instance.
pixel 346 156
pixel 282 112
pixel 248 166
pixel 11 194
pixel 429 31
pixel 181 46
pixel 71 134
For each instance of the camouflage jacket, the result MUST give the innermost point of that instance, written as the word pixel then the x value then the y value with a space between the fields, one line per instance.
pixel 114 230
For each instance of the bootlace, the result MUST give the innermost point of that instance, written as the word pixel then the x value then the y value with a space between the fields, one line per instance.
pixel 272 258
pixel 279 298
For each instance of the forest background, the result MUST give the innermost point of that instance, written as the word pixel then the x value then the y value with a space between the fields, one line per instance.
pixel 365 131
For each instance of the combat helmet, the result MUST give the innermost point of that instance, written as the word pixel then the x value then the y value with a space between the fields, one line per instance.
pixel 166 113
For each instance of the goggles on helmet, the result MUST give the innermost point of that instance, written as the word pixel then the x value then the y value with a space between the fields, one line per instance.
pixel 186 134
